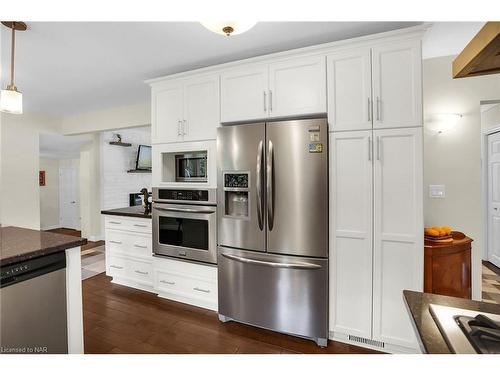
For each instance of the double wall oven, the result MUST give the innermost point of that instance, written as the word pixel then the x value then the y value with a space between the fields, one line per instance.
pixel 184 224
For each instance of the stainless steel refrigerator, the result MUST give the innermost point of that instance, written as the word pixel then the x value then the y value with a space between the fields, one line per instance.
pixel 273 226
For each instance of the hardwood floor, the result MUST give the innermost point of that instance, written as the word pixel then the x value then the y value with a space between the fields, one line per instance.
pixel 118 319
pixel 77 233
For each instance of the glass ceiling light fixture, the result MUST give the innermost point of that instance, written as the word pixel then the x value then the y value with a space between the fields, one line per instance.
pixel 229 28
pixel 11 100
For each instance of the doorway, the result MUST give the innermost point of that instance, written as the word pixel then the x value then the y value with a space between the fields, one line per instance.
pixel 69 202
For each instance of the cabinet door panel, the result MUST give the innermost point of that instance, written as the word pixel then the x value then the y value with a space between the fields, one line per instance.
pixel 244 94
pixel 201 108
pixel 297 87
pixel 167 113
pixel 349 90
pixel 398 232
pixel 351 233
pixel 397 85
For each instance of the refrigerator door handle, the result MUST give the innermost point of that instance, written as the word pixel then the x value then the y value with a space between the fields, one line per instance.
pixel 270 186
pixel 300 265
pixel 260 196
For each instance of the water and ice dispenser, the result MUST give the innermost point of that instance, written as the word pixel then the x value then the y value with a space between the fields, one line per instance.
pixel 236 198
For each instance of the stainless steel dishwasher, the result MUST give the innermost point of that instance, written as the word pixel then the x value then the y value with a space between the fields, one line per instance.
pixel 33 306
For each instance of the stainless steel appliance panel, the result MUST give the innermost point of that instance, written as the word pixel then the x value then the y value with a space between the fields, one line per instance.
pixel 283 293
pixel 297 187
pixel 240 151
pixel 185 231
pixel 33 314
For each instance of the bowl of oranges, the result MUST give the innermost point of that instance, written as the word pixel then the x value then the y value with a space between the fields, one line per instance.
pixel 438 234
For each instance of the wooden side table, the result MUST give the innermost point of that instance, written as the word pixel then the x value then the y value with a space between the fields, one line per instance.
pixel 447 267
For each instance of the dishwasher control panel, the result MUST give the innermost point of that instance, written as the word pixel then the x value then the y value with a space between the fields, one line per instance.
pixel 26 269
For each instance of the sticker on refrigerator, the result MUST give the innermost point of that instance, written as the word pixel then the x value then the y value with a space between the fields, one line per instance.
pixel 313 136
pixel 315 148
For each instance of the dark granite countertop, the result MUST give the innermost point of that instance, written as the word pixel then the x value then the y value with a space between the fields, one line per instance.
pixel 18 244
pixel 429 335
pixel 133 211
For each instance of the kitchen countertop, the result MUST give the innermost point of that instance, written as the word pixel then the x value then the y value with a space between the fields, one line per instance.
pixel 133 211
pixel 19 244
pixel 428 332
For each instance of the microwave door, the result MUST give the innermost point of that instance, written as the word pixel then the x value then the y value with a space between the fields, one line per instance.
pixel 297 187
pixel 240 178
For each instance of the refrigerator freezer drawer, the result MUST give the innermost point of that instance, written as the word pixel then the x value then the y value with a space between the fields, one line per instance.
pixel 283 293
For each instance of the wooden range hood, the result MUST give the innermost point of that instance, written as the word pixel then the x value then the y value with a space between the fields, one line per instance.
pixel 482 55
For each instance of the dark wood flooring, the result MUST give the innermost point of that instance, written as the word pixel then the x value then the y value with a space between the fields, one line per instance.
pixel 118 319
pixel 77 233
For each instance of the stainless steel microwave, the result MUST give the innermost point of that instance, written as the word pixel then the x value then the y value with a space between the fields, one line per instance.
pixel 191 167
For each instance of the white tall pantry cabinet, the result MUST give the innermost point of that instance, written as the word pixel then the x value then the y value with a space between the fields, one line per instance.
pixel 376 208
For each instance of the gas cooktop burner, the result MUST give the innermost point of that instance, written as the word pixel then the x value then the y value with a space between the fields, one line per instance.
pixel 466 331
pixel 482 332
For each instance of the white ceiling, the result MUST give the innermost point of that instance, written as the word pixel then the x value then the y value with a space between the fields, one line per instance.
pixel 74 67
pixel 55 146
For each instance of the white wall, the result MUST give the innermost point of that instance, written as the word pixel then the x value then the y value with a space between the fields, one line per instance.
pixel 19 194
pixel 113 118
pixel 49 194
pixel 90 190
pixel 454 158
pixel 117 184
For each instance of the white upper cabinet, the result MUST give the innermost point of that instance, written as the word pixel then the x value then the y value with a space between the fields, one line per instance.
pixel 351 233
pixel 185 109
pixel 350 90
pixel 297 87
pixel 201 108
pixel 167 113
pixel 398 231
pixel 379 87
pixel 285 88
pixel 244 94
pixel 397 84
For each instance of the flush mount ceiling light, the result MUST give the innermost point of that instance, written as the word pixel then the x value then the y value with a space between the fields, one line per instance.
pixel 11 100
pixel 229 27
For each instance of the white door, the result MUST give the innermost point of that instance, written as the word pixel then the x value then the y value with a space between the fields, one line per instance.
pixel 201 108
pixel 398 250
pixel 397 85
pixel 244 94
pixel 494 199
pixel 167 112
pixel 351 169
pixel 350 90
pixel 297 87
pixel 69 206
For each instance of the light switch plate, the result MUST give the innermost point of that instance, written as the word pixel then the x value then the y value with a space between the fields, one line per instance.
pixel 437 191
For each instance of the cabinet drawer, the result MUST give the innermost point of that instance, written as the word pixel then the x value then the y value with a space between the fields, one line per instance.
pixel 140 246
pixel 139 271
pixel 128 224
pixel 201 288
pixel 116 266
pixel 169 282
pixel 116 241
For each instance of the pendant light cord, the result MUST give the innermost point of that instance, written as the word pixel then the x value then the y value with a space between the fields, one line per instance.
pixel 13 51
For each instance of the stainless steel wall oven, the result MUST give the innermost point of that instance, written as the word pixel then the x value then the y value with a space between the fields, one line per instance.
pixel 185 224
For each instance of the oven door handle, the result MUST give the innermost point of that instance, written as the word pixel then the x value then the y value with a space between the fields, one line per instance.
pixel 188 210
pixel 300 265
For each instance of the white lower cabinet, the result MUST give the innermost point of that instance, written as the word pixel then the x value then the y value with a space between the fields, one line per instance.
pixel 185 282
pixel 376 235
pixel 130 262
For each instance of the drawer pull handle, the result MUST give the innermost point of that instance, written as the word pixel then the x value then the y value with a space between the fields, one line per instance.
pixel 167 282
pixel 140 225
pixel 115 222
pixel 201 290
pixel 116 242
pixel 117 267
pixel 141 272
pixel 140 246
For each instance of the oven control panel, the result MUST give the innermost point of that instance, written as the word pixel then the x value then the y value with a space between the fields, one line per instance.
pixel 183 195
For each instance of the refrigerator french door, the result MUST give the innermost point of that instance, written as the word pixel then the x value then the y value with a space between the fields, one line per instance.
pixel 273 226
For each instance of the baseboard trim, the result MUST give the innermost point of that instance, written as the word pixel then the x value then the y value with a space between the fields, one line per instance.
pixel 388 348
pixel 96 238
pixel 50 227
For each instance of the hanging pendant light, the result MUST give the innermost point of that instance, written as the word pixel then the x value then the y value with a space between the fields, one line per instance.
pixel 11 100
pixel 229 27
